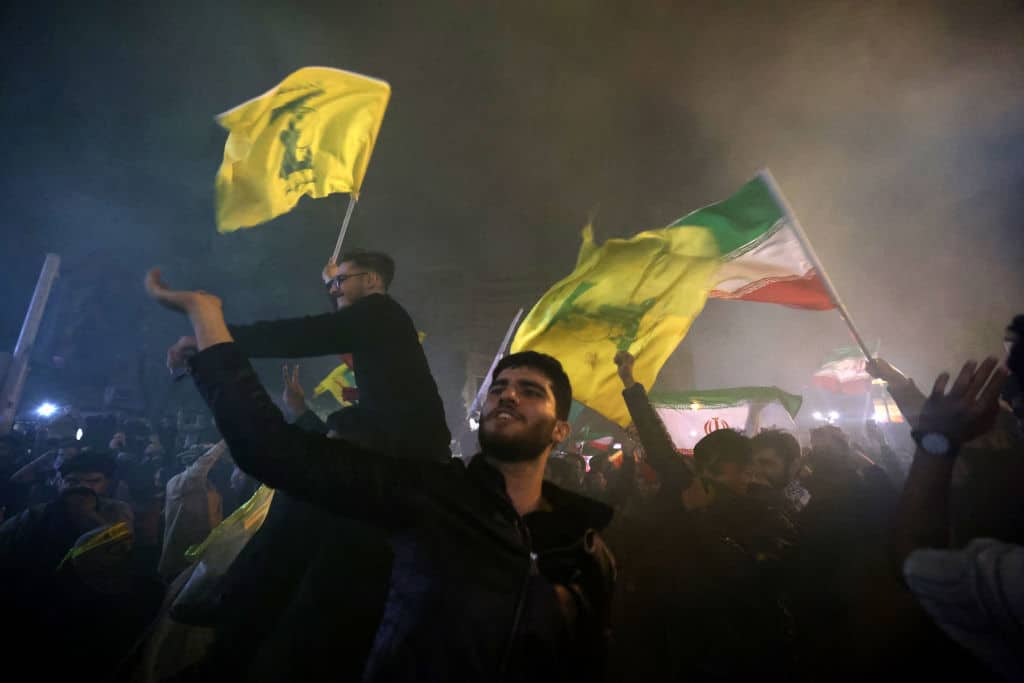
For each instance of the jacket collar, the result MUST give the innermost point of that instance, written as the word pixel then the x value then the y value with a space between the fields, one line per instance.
pixel 574 510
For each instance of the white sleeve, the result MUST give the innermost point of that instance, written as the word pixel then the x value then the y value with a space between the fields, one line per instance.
pixel 976 595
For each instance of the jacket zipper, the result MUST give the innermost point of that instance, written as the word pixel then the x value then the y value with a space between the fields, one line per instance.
pixel 524 532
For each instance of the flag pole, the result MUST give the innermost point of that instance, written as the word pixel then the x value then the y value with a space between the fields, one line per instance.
pixel 344 227
pixel 805 243
pixel 474 409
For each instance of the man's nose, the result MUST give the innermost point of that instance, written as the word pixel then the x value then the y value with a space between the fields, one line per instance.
pixel 508 394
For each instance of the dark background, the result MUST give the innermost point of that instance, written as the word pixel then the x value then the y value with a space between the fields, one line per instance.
pixel 896 129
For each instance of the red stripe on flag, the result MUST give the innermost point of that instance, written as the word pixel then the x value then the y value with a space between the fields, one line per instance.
pixel 803 291
pixel 853 388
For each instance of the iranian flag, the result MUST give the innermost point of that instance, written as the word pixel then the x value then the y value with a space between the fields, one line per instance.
pixel 761 257
pixel 844 372
pixel 690 416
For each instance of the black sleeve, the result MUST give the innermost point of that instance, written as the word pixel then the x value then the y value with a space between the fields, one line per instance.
pixel 661 452
pixel 310 422
pixel 331 473
pixel 343 331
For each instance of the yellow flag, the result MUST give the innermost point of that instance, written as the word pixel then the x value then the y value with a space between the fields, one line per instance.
pixel 341 378
pixel 312 134
pixel 639 294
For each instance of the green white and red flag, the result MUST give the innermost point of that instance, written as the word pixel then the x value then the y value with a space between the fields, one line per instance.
pixel 761 257
pixel 844 371
pixel 690 416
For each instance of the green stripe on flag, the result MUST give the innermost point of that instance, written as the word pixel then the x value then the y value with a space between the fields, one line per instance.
pixel 738 220
pixel 723 398
pixel 843 353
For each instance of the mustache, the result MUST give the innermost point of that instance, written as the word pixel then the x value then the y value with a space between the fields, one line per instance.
pixel 506 408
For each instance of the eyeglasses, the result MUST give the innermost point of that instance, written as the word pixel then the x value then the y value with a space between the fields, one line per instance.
pixel 338 280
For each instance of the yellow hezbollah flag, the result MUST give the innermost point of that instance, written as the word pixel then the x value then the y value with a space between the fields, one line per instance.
pixel 312 134
pixel 638 294
pixel 341 378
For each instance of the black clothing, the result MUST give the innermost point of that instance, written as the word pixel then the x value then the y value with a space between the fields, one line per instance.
pixel 673 471
pixel 472 592
pixel 274 617
pixel 711 609
pixel 398 398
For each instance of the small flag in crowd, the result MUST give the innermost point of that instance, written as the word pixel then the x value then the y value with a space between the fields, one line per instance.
pixel 844 371
pixel 341 384
pixel 312 134
pixel 690 416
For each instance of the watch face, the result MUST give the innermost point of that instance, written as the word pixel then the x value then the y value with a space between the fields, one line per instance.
pixel 935 443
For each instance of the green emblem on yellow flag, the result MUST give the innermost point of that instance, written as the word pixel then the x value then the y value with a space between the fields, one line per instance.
pixel 312 134
pixel 639 294
pixel 341 378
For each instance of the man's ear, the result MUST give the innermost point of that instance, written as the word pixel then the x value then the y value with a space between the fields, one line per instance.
pixel 561 431
pixel 377 281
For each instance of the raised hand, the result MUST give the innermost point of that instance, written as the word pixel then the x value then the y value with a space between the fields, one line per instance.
pixel 624 360
pixel 204 311
pixel 294 396
pixel 880 368
pixel 969 409
pixel 183 301
pixel 179 352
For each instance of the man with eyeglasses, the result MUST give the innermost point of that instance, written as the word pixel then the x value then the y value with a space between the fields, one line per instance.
pixel 272 598
pixel 399 404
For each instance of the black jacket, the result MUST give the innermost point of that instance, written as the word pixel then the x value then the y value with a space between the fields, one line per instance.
pixel 398 399
pixel 472 594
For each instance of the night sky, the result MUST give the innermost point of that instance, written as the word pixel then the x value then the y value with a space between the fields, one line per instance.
pixel 896 129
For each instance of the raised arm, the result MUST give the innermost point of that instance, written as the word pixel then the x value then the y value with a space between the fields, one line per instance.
pixel 904 392
pixel 661 452
pixel 331 473
pixel 314 335
pixel 945 423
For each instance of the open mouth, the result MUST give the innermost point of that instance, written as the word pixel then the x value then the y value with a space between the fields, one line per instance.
pixel 503 416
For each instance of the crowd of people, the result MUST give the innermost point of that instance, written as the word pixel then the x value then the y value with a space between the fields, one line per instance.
pixel 379 557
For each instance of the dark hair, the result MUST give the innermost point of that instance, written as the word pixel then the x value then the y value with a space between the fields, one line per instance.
pixel 90 461
pixel 1016 326
pixel 782 442
pixel 547 366
pixel 720 447
pixel 375 261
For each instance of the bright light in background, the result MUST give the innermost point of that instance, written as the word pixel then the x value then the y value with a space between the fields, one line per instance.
pixel 886 411
pixel 817 415
pixel 616 446
pixel 78 434
pixel 832 415
pixel 47 409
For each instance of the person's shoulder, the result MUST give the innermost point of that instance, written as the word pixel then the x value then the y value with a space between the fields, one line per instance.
pixel 584 512
pixel 25 519
pixel 113 509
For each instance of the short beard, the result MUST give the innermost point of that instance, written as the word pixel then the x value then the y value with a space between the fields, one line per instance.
pixel 524 448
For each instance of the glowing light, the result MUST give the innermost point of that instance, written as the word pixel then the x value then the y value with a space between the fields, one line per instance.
pixel 817 415
pixel 693 432
pixel 695 406
pixel 78 434
pixel 47 409
pixel 473 425
pixel 616 446
pixel 833 415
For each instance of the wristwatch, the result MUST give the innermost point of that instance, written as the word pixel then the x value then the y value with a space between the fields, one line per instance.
pixel 934 443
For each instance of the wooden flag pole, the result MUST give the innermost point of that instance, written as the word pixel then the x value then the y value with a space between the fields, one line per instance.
pixel 780 199
pixel 344 227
